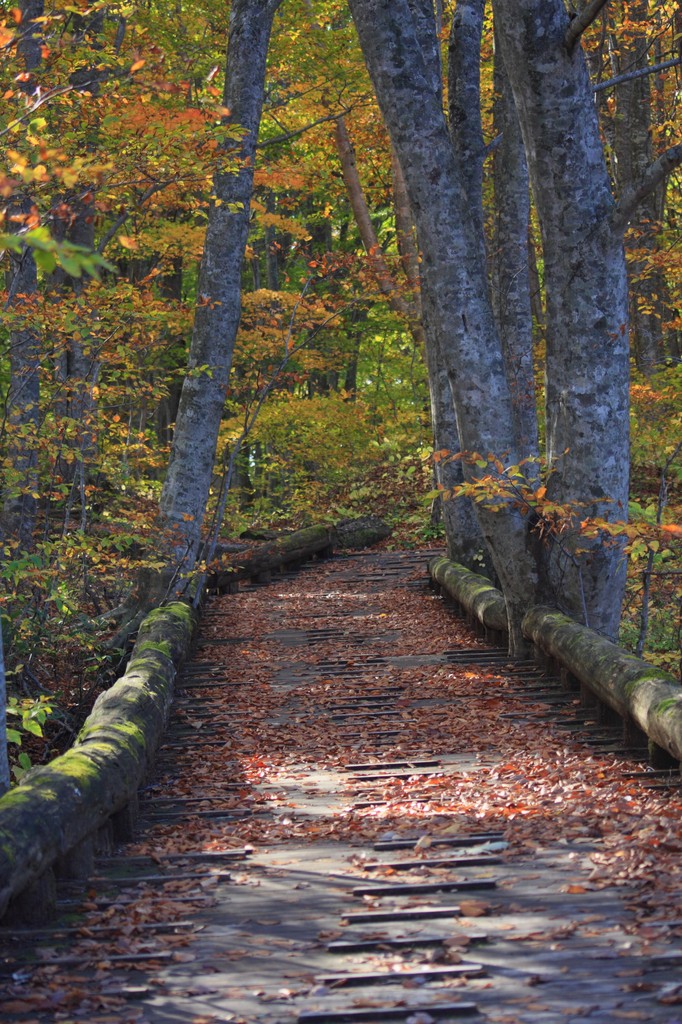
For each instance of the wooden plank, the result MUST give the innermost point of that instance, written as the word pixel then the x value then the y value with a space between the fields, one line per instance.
pixel 433 862
pixel 380 776
pixel 410 888
pixel 465 839
pixel 398 1013
pixel 237 812
pixel 84 959
pixel 130 880
pixel 401 914
pixel 430 762
pixel 402 942
pixel 391 977
pixel 202 855
pixel 85 930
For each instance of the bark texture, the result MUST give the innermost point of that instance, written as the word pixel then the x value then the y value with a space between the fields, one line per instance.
pixel 4 760
pixel 509 266
pixel 22 408
pixel 362 532
pixel 187 485
pixel 463 535
pixel 59 805
pixel 633 155
pixel 21 411
pixel 464 539
pixel 587 388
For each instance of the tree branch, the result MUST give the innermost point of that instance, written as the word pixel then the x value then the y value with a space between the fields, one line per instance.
pixel 300 131
pixel 640 73
pixel 123 217
pixel 581 22
pixel 377 261
pixel 651 178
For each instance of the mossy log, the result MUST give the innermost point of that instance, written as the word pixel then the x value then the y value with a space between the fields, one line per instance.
pixel 362 532
pixel 638 691
pixel 58 806
pixel 474 593
pixel 273 556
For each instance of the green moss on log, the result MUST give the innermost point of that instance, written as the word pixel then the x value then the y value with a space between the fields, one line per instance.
pixel 58 805
pixel 635 689
pixel 474 593
pixel 270 557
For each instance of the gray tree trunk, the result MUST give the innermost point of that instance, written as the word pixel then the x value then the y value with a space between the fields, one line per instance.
pixel 633 154
pixel 509 266
pixel 587 307
pixel 4 760
pixel 187 485
pixel 464 540
pixel 454 277
pixel 464 104
pixel 21 412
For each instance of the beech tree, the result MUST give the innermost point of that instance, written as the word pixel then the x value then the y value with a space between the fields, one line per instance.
pixel 22 409
pixel 190 471
pixel 587 372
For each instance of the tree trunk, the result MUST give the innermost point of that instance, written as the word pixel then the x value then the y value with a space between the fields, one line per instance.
pixel 509 264
pixel 4 761
pixel 464 540
pixel 587 366
pixel 634 153
pixel 186 489
pixel 454 278
pixel 22 401
pixel 22 410
pixel 258 563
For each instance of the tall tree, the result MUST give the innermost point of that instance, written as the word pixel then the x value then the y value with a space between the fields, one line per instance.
pixel 584 266
pixel 22 403
pixel 188 481
pixel 398 46
pixel 633 151
pixel 463 536
pixel 509 263
pixel 587 362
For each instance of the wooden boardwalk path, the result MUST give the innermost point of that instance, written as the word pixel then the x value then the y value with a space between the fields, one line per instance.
pixel 363 813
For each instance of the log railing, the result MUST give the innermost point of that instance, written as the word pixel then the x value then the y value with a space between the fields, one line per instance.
pixel 647 699
pixel 64 813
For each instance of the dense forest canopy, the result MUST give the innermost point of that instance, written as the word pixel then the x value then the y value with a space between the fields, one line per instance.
pixel 418 259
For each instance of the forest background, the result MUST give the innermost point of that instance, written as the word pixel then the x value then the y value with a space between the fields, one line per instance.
pixel 115 130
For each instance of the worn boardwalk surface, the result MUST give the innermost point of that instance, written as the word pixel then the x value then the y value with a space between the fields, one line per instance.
pixel 363 813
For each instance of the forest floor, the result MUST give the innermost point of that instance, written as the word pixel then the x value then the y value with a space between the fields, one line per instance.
pixel 532 872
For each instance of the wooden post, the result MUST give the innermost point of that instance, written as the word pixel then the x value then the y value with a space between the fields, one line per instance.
pixel 124 822
pixel 36 904
pixel 79 862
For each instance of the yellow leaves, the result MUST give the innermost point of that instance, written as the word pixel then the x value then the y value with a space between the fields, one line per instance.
pixel 127 241
pixel 137 65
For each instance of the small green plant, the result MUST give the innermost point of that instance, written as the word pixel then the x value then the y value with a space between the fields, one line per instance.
pixel 28 717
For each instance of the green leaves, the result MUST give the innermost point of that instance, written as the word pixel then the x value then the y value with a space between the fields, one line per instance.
pixel 49 253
